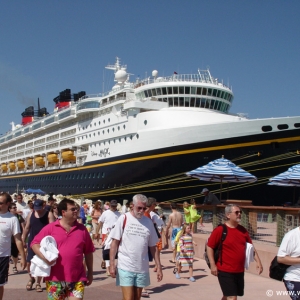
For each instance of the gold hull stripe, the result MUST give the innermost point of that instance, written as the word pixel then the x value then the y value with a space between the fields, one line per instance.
pixel 199 150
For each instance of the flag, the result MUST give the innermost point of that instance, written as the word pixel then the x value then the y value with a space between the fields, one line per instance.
pixel 175 73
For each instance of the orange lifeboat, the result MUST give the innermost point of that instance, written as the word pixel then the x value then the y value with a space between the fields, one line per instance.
pixel 20 164
pixel 52 158
pixel 29 162
pixel 68 155
pixel 4 167
pixel 39 160
pixel 12 166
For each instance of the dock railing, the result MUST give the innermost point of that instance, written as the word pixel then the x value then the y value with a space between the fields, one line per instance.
pixel 265 224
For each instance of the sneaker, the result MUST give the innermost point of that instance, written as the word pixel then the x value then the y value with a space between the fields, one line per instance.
pixel 192 279
pixel 178 276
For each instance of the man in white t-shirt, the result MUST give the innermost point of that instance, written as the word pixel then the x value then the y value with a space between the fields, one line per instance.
pixel 9 226
pixel 289 254
pixel 20 204
pixel 131 237
pixel 108 219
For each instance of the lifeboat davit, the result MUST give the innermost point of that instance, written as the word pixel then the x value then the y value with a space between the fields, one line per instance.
pixel 20 164
pixel 68 155
pixel 52 158
pixel 39 160
pixel 12 166
pixel 29 162
pixel 4 167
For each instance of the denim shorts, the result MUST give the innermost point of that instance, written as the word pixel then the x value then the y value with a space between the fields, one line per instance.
pixel 127 278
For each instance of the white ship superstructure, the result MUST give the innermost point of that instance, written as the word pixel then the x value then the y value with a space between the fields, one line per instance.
pixel 175 116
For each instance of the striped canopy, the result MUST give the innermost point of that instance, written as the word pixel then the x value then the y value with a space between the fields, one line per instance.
pixel 291 177
pixel 222 170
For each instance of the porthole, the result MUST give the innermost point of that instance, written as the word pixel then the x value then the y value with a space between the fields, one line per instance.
pixel 118 127
pixel 131 137
pixel 104 121
pixel 98 132
pixel 137 136
pixel 95 124
pixel 108 119
pixel 145 122
pixel 107 130
pixel 283 126
pixel 94 134
pixel 113 129
pixel 99 122
pixel 297 125
pixel 103 131
pixel 103 174
pixel 266 128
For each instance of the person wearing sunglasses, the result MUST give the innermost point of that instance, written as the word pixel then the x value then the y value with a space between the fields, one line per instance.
pixel 132 236
pixel 232 254
pixel 73 243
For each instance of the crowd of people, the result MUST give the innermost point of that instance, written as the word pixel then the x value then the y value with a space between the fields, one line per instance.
pixel 122 232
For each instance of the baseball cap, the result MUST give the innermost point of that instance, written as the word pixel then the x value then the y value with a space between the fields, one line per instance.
pixel 205 190
pixel 113 203
pixel 38 204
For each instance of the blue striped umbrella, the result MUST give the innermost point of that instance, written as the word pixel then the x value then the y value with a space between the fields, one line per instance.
pixel 291 177
pixel 222 170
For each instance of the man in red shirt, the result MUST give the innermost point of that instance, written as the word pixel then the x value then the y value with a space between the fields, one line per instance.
pixel 230 267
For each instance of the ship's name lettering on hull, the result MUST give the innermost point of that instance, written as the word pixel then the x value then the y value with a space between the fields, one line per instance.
pixel 102 153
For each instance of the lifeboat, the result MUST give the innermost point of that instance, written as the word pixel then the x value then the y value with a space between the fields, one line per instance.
pixel 39 160
pixel 4 167
pixel 52 158
pixel 29 162
pixel 68 155
pixel 20 164
pixel 12 166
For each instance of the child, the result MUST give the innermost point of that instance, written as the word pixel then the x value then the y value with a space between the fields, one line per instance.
pixel 187 213
pixel 186 255
pixel 194 217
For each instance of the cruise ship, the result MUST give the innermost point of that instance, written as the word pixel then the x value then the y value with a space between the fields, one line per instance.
pixel 141 137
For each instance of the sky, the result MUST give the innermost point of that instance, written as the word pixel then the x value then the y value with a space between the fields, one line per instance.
pixel 48 46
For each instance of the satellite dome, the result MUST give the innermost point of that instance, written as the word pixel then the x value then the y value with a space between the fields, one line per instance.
pixel 121 76
pixel 154 73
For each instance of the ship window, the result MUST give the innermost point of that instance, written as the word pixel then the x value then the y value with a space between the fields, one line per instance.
pixel 192 102
pixel 297 125
pixel 204 91
pixel 99 175
pixel 181 90
pixel 164 91
pixel 99 122
pixel 158 91
pixel 118 127
pixel 170 101
pixel 197 104
pixel 90 175
pixel 169 89
pixel 266 128
pixel 193 90
pixel 199 90
pixel 175 89
pixel 175 101
pixel 219 93
pixel 104 121
pixel 165 99
pixel 95 124
pixel 146 94
pixel 124 126
pixel 202 102
pixel 108 119
pixel 113 129
pixel 103 131
pixel 282 126
pixel 108 130
pixel 187 90
pixel 187 101
pixel 207 103
pixel 222 94
pixel 154 92
pixel 181 99
pixel 215 93
pixel 103 174
pixel 145 122
pixel 212 104
pixel 149 93
pixel 209 92
pixel 98 132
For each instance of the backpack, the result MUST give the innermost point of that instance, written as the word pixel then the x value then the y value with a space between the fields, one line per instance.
pixel 277 270
pixel 218 250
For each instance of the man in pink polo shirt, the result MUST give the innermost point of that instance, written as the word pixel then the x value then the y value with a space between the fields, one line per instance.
pixel 67 277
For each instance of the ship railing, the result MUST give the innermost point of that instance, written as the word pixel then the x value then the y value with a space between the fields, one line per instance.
pixel 201 78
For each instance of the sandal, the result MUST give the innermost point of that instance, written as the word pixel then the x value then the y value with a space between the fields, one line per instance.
pixel 103 265
pixel 38 288
pixel 175 270
pixel 145 294
pixel 171 261
pixel 30 284
pixel 15 271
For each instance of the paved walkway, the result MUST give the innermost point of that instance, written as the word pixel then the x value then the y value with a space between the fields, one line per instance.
pixel 205 287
